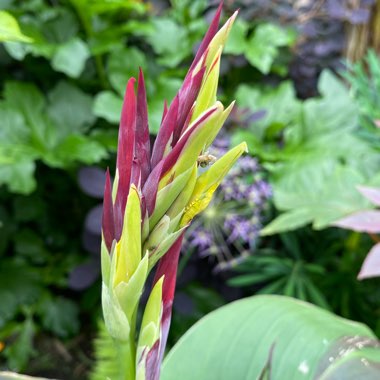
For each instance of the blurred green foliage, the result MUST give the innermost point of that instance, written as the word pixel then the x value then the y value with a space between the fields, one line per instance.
pixel 262 46
pixel 312 151
pixel 364 78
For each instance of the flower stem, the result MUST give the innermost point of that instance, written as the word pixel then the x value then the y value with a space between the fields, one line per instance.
pixel 126 351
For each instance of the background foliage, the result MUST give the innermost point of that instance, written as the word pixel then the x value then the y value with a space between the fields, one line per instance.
pixel 310 121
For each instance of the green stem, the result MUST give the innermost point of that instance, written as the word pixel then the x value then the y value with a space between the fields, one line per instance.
pixel 126 358
pixel 127 354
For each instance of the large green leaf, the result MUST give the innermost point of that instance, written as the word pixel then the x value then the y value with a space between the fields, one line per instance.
pixel 237 39
pixel 312 151
pixel 169 39
pixel 316 192
pixel 19 176
pixel 21 349
pixel 19 285
pixel 108 105
pixel 263 45
pixel 59 316
pixel 235 341
pixel 123 64
pixel 70 58
pixel 10 30
pixel 35 128
pixel 70 108
pixel 280 104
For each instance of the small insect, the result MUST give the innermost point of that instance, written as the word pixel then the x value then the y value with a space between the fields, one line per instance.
pixel 206 159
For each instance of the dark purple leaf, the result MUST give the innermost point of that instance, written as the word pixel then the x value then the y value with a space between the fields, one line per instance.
pixel 91 181
pixel 326 48
pixel 93 221
pixel 256 116
pixel 367 3
pixel 359 16
pixel 310 29
pixel 91 243
pixel 84 275
pixel 336 9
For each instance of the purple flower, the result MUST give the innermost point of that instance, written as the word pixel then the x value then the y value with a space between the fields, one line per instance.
pixel 230 228
pixel 201 240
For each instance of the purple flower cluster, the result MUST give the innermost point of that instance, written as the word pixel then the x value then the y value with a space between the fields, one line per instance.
pixel 229 228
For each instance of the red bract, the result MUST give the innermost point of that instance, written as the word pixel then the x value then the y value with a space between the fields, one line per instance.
pixel 134 159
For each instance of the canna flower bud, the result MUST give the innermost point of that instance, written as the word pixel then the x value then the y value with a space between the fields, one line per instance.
pixel 154 197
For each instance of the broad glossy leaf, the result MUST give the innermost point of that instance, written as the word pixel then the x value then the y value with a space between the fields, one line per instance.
pixel 235 342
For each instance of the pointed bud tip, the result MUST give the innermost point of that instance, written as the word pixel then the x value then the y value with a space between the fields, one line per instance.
pixel 131 81
pixel 244 147
pixel 234 15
